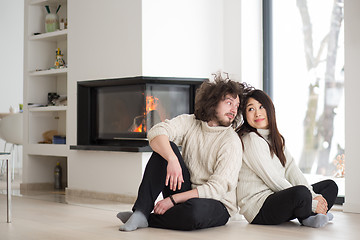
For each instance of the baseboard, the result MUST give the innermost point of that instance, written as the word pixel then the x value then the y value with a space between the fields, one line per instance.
pixel 351 207
pixel 100 195
pixel 27 187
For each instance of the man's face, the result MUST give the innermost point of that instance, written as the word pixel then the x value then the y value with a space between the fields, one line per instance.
pixel 226 111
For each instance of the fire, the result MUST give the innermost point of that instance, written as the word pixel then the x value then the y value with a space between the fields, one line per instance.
pixel 151 105
pixel 139 129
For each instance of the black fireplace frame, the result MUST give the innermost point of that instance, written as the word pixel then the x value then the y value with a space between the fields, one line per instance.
pixel 86 97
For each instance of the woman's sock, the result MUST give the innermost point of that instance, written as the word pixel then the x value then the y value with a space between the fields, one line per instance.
pixel 316 221
pixel 124 216
pixel 330 216
pixel 135 221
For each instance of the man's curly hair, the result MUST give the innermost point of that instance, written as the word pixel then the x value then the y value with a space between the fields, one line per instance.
pixel 210 93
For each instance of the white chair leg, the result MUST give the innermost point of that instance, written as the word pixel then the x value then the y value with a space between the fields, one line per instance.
pixel 13 162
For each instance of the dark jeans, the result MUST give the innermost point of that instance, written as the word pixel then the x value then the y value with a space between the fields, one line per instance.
pixel 294 202
pixel 195 213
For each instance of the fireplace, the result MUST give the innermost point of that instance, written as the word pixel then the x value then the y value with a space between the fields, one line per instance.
pixel 115 114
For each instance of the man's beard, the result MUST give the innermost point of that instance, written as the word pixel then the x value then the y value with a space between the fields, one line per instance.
pixel 223 122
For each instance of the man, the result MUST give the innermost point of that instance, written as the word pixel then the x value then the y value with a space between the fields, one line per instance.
pixel 198 186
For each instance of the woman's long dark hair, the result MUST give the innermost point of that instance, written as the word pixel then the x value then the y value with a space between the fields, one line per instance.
pixel 276 140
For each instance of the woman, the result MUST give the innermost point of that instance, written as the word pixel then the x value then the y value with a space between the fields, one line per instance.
pixel 271 188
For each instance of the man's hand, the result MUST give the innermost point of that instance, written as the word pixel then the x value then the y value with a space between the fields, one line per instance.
pixel 162 206
pixel 174 175
pixel 322 205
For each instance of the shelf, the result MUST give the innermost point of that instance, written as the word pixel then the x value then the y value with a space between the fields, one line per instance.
pixel 49 72
pixel 48 109
pixel 55 36
pixel 47 2
pixel 60 150
pixel 146 148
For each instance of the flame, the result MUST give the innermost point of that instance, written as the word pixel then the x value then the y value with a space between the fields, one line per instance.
pixel 139 129
pixel 151 104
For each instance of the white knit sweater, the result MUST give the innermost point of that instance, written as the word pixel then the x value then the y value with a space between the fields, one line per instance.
pixel 212 155
pixel 261 175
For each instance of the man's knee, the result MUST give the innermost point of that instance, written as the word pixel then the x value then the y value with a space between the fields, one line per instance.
pixel 205 213
pixel 174 147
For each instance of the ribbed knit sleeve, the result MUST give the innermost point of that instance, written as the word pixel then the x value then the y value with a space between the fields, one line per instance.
pixel 258 158
pixel 296 177
pixel 175 128
pixel 294 174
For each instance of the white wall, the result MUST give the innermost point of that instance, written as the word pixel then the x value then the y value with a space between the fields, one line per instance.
pixel 104 39
pixel 105 172
pixel 196 38
pixel 352 99
pixel 11 50
pixel 232 39
pixel 251 42
pixel 104 42
pixel 182 38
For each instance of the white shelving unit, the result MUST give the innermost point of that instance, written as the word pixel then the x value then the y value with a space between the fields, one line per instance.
pixel 48 109
pixel 48 150
pixel 41 78
pixel 56 36
pixel 49 72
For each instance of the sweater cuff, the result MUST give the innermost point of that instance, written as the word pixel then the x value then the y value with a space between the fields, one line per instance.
pixel 201 192
pixel 156 132
pixel 314 195
pixel 314 205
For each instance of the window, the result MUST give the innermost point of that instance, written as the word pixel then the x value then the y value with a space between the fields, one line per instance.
pixel 308 83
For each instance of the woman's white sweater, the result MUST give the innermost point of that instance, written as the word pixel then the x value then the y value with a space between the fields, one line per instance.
pixel 261 175
pixel 212 155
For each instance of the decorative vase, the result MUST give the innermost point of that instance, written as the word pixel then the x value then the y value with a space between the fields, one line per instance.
pixel 51 22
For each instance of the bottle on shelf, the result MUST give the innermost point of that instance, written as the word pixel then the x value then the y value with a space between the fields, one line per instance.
pixel 62 24
pixel 58 173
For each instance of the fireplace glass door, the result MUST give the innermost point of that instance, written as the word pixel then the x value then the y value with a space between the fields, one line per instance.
pixel 129 111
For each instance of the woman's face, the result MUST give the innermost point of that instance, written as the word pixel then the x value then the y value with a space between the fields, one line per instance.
pixel 256 114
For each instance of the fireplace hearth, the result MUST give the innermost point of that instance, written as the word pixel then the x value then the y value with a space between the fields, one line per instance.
pixel 115 114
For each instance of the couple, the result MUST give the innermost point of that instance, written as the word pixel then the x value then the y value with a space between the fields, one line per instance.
pixel 220 169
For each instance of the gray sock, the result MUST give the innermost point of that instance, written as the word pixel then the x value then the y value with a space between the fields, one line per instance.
pixel 124 216
pixel 137 220
pixel 330 216
pixel 316 221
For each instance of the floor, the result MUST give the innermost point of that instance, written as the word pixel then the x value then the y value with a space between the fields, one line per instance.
pixel 52 215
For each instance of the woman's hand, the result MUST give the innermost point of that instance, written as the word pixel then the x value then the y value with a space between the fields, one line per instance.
pixel 162 206
pixel 174 175
pixel 322 205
